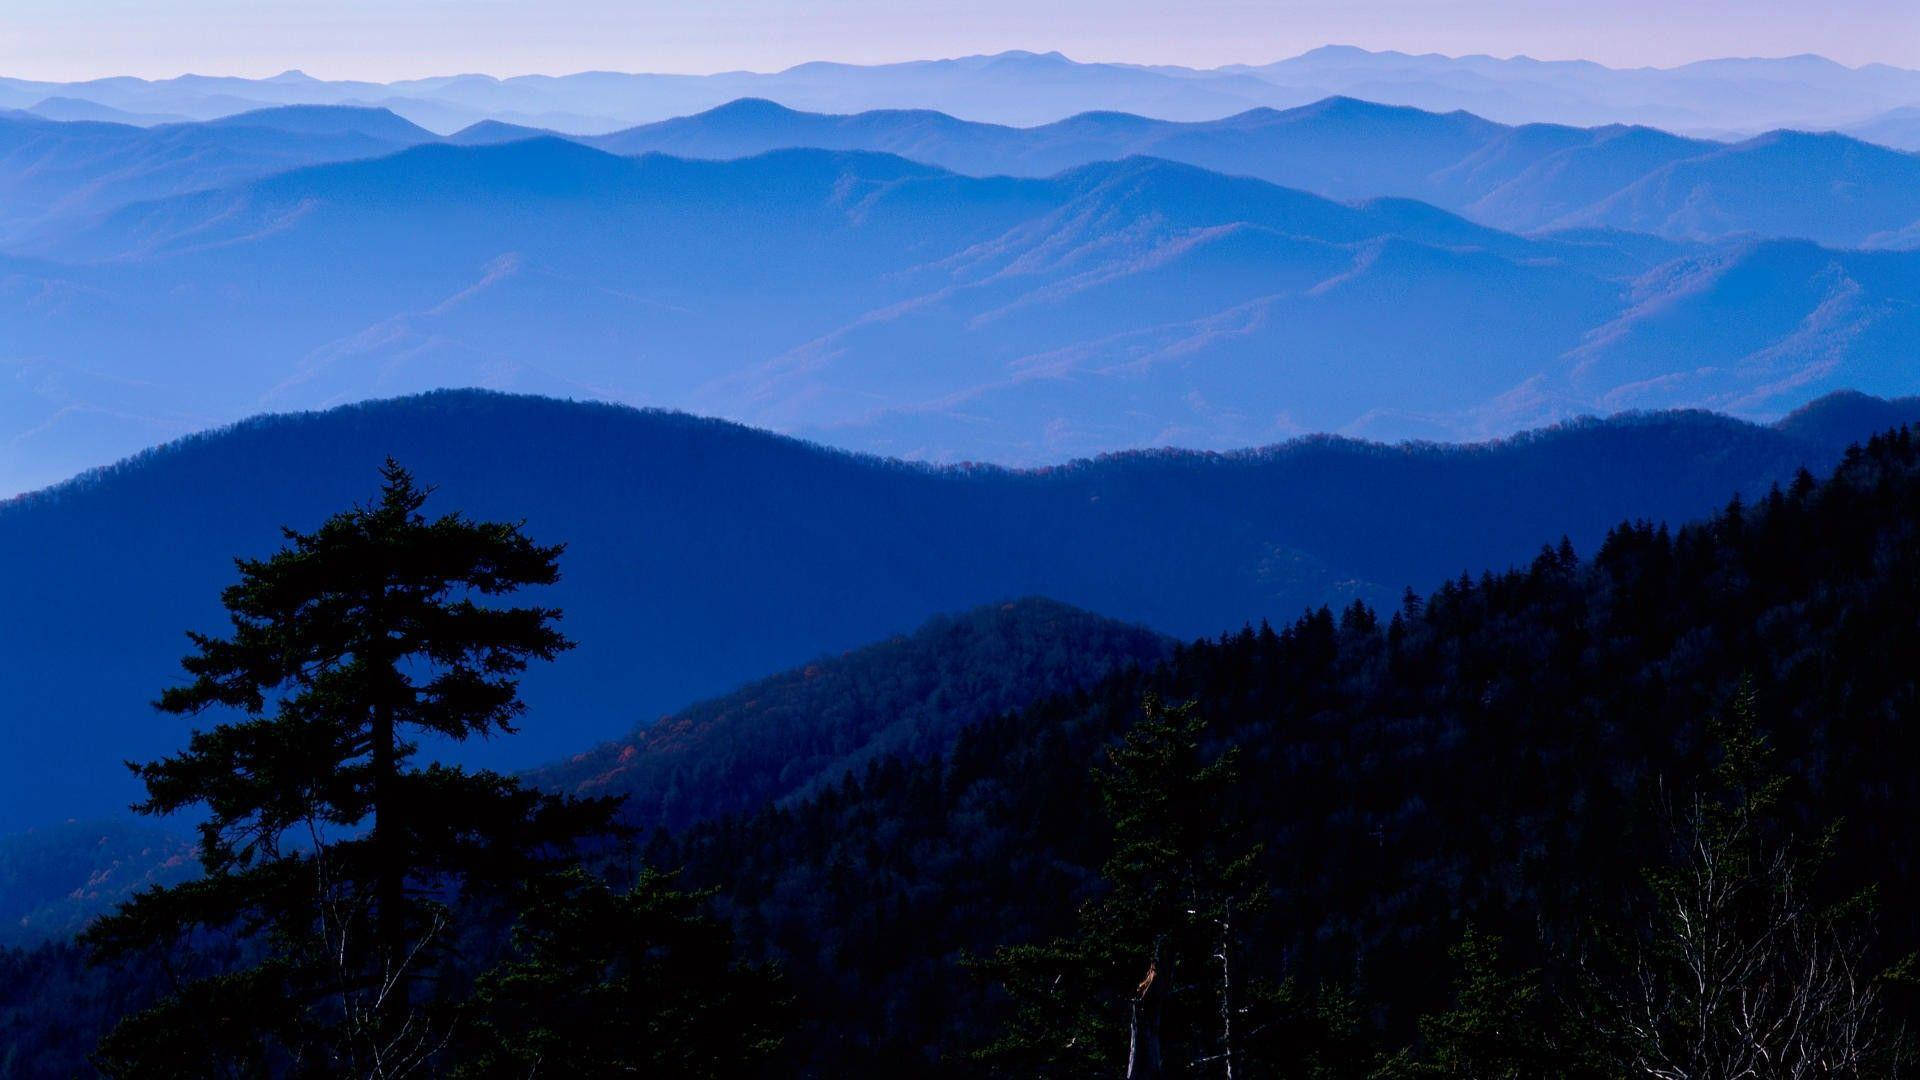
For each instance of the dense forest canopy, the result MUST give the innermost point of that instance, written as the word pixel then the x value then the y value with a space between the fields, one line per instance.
pixel 1490 754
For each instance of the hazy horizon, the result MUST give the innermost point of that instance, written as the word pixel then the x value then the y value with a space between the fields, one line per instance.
pixel 77 40
pixel 324 75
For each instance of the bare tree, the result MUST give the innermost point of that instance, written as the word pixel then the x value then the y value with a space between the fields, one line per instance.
pixel 383 1034
pixel 1737 970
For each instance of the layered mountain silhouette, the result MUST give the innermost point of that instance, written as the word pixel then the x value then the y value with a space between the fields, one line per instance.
pixel 1898 128
pixel 703 554
pixel 1830 188
pixel 59 172
pixel 892 306
pixel 1020 87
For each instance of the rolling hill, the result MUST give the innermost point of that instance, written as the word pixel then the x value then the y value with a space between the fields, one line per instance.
pixel 56 877
pixel 789 735
pixel 1499 754
pixel 776 739
pixel 1898 128
pixel 703 554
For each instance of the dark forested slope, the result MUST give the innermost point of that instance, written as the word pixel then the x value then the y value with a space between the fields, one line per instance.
pixel 790 734
pixel 703 554
pixel 1491 754
pixel 56 877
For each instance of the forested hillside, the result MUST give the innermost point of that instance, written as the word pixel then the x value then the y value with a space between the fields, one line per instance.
pixel 702 555
pixel 1492 755
pixel 1491 773
pixel 792 734
pixel 56 877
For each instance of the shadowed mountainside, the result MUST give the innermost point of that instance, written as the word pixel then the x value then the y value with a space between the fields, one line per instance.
pixel 785 736
pixel 702 554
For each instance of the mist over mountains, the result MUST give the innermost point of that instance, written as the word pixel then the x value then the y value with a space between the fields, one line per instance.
pixel 912 284
pixel 1710 97
pixel 162 280
pixel 1536 177
pixel 908 433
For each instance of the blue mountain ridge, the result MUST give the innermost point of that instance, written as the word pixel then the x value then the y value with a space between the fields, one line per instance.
pixel 702 554
pixel 1114 305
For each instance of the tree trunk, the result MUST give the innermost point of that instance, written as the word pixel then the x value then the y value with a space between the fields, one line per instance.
pixel 390 930
pixel 1226 987
pixel 1143 1029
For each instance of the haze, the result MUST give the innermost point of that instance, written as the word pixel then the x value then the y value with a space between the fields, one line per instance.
pixel 390 39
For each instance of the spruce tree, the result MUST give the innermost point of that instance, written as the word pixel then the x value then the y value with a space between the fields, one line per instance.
pixel 1501 1025
pixel 604 983
pixel 337 869
pixel 1149 985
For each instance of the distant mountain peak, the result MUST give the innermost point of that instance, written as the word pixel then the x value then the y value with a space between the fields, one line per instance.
pixel 750 108
pixel 1051 55
pixel 1333 50
pixel 372 120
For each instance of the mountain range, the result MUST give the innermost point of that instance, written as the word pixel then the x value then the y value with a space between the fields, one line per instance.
pixel 1019 87
pixel 849 392
pixel 1118 304
pixel 702 554
pixel 1828 188
pixel 74 168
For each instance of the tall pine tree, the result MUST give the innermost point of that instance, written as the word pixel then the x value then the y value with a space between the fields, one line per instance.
pixel 338 870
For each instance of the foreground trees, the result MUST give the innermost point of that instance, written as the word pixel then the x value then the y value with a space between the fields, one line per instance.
pixel 1153 983
pixel 1733 965
pixel 605 983
pixel 350 893
pixel 1738 965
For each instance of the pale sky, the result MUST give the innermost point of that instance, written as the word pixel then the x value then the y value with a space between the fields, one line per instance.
pixel 390 39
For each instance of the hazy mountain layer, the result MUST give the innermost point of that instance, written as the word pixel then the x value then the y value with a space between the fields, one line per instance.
pixel 55 877
pixel 886 305
pixel 57 172
pixel 1830 188
pixel 1731 95
pixel 702 554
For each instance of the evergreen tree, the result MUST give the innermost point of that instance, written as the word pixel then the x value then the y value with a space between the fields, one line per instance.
pixel 604 983
pixel 338 867
pixel 1149 985
pixel 1501 1025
